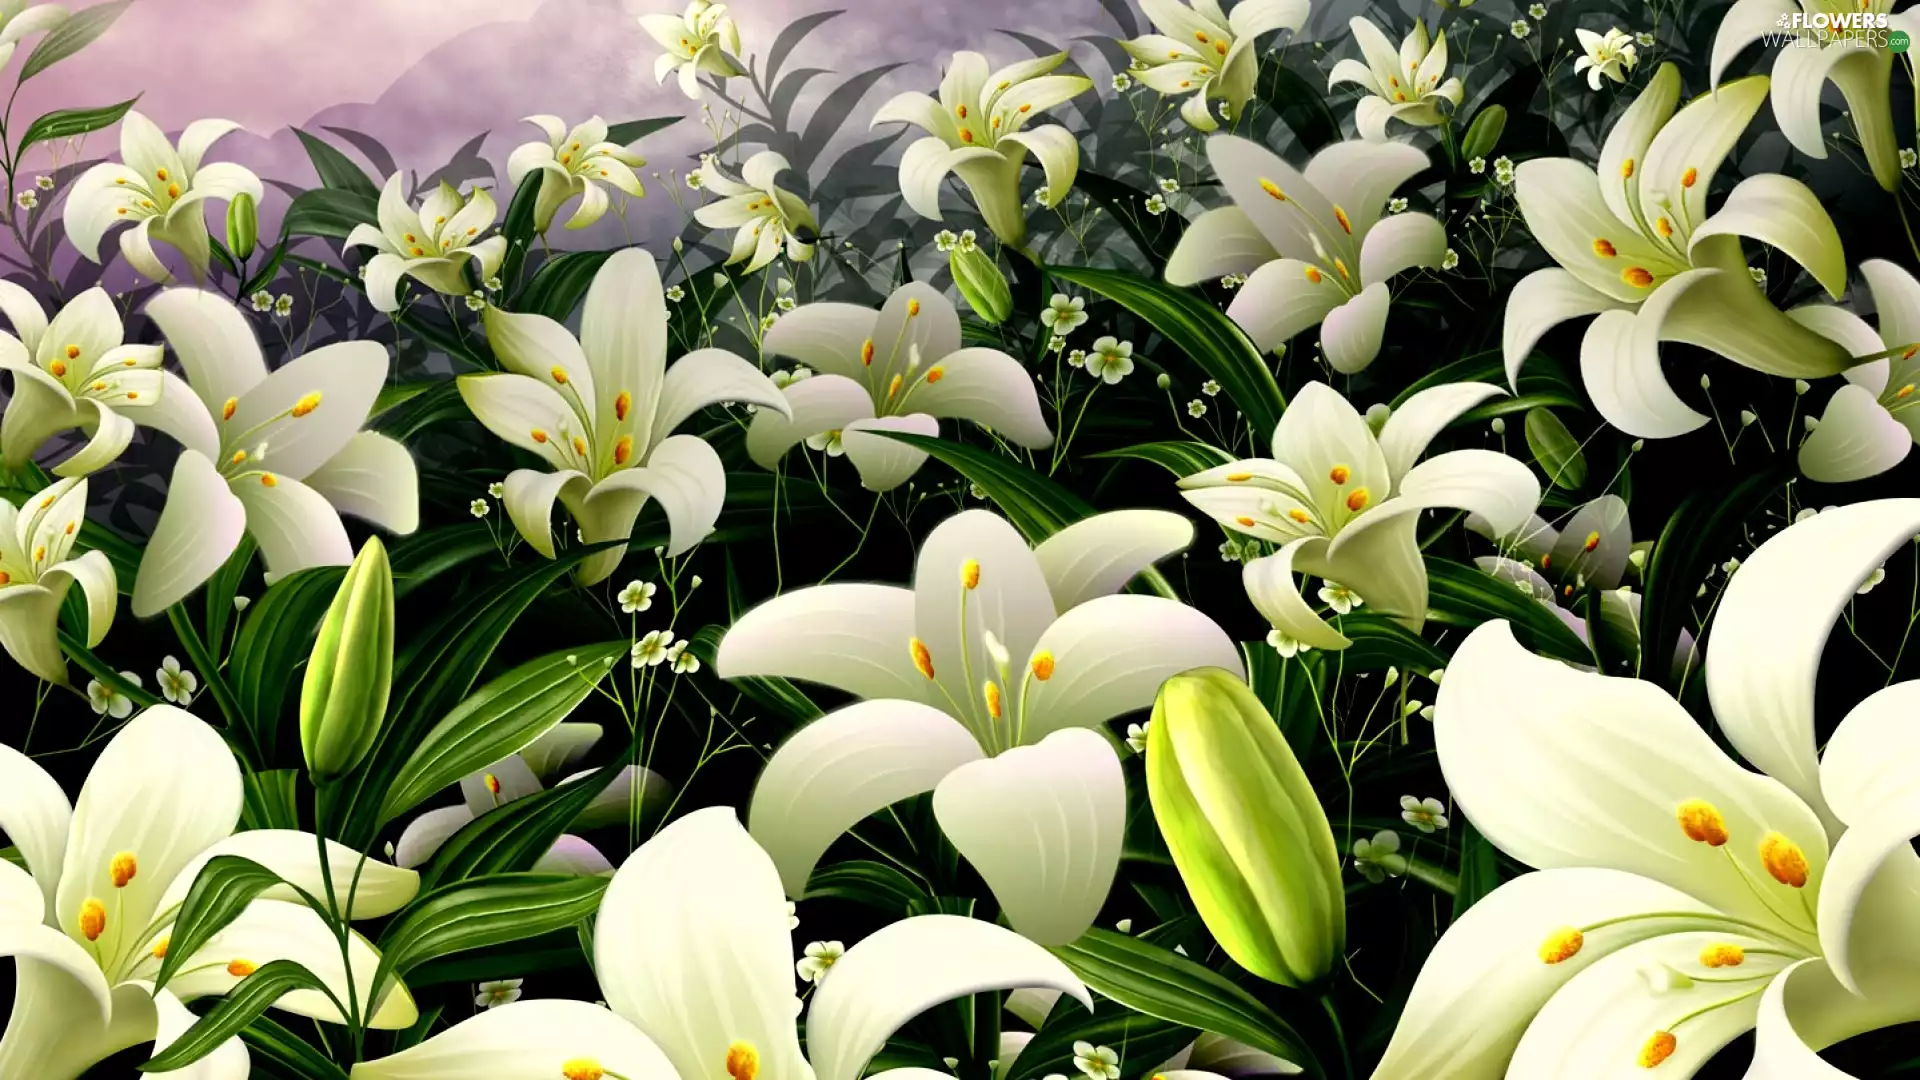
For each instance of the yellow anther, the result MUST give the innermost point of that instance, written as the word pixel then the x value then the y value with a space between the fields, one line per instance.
pixel 960 111
pixel 622 450
pixel 1201 37
pixel 1339 474
pixel 227 410
pixel 1723 955
pixel 59 369
pixel 1004 83
pixel 1562 944
pixel 1341 216
pixel 1244 521
pixel 1658 1048
pixel 559 374
pixel 1690 177
pixel 238 457
pixel 1604 248
pixel 922 659
pixel 240 969
pixel 441 220
pixel 73 352
pixel 565 159
pixel 1593 541
pixel 173 191
pixel 122 869
pixel 159 950
pixel 913 307
pixel 996 123
pixel 1663 227
pixel 40 553
pixel 492 783
pixel 1340 266
pixel 93 918
pixel 1027 108
pixel 966 136
pixel 893 387
pixel 5 578
pixel 1784 860
pixel 582 1068
pixel 306 404
pixel 1637 276
pixel 1358 500
pixel 539 435
pixel 1239 477
pixel 1314 275
pixel 990 692
pixel 936 373
pixel 1300 515
pixel 101 385
pixel 1546 561
pixel 410 238
pixel 418 252
pixel 1042 666
pixel 1399 95
pixel 1272 189
pixel 160 175
pixel 1702 823
pixel 622 402
pixel 1905 391
pixel 743 1061
pixel 1220 47
pixel 269 480
pixel 866 353
pixel 580 445
pixel 1626 169
pixel 970 573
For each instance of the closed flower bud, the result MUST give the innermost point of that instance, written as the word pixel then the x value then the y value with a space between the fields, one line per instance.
pixel 1244 827
pixel 243 226
pixel 982 284
pixel 343 700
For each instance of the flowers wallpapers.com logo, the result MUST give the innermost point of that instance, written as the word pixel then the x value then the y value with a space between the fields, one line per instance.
pixel 1801 29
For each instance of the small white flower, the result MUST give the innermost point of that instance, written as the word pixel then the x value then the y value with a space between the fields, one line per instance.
pixel 945 240
pixel 478 508
pixel 1096 1062
pixel 1879 575
pixel 684 662
pixel 1538 11
pixel 107 701
pixel 497 489
pixel 27 200
pixel 1122 82
pixel 637 596
pixel 44 183
pixel 1064 314
pixel 1196 408
pixel 240 603
pixel 1137 737
pixel 651 651
pixel 1077 358
pixel 1379 858
pixel 1450 260
pixel 819 959
pixel 785 303
pixel 1125 926
pixel 1156 205
pixel 694 180
pixel 1233 281
pixel 1210 388
pixel 1503 171
pixel 1477 166
pixel 675 294
pixel 492 995
pixel 1231 551
pixel 793 915
pixel 261 301
pixel 1521 28
pixel 784 379
pixel 1286 644
pixel 1758 274
pixel 1395 206
pixel 1111 359
pixel 493 284
pixel 477 301
pixel 1909 158
pixel 1423 814
pixel 1340 598
pixel 968 241
pixel 1645 40
pixel 283 304
pixel 1056 344
pixel 827 441
pixel 1168 185
pixel 767 321
pixel 178 684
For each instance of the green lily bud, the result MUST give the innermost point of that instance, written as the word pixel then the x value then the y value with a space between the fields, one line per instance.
pixel 243 226
pixel 343 701
pixel 1245 829
pixel 1483 135
pixel 982 284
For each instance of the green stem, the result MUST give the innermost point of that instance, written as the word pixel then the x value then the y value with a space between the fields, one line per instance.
pixel 203 662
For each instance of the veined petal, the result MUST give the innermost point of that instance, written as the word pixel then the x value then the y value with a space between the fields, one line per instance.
pixel 24 312
pixel 213 342
pixel 1744 23
pixel 1412 426
pixel 1623 157
pixel 35 815
pixel 829 338
pixel 1805 1010
pixel 1109 656
pixel 1857 438
pixel 1682 159
pixel 1219 242
pixel 1799 78
pixel 295 526
pixel 634 789
pixel 527 1040
pixel 883 463
pixel 374 479
pixel 820 404
pixel 1873 878
pixel 98 585
pixel 1359 177
pixel 1289 220
pixel 529 495
pixel 685 477
pixel 1354 72
pixel 921 111
pixel 834 772
pixel 1351 333
pixel 853 637
pixel 1611 772
pixel 1058 150
pixel 975 574
pixel 1564 209
pixel 32 943
pixel 55 1029
pixel 924 167
pixel 378 888
pixel 1724 311
pixel 711 377
pixel 29 628
pixel 112 433
pixel 1322 437
pixel 718 970
pixel 1097 556
pixel 425 834
pixel 308 410
pixel 1595 543
pixel 198 529
pixel 543 350
pixel 1043 824
pixel 1620 364
pixel 1772 627
pixel 1270 585
pixel 1399 243
pixel 987 387
pixel 1784 213
pixel 909 966
pixel 228 1061
pixel 1283 298
pixel 1541 301
pixel 1896 302
pixel 522 410
pixel 269 930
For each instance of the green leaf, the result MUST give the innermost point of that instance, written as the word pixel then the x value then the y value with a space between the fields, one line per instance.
pixel 275 637
pixel 1555 449
pixel 559 284
pixel 76 650
pixel 398 393
pixel 1155 236
pixel 511 838
pixel 239 1008
pixel 1484 134
pixel 1161 983
pixel 1180 457
pixel 1465 596
pixel 628 132
pixel 264 276
pixel 1479 867
pixel 430 329
pixel 1203 332
pixel 518 227
pixel 329 212
pixel 1142 1041
pixel 337 172
pixel 483 913
pixel 556 951
pixel 282 1050
pixel 1301 104
pixel 870 884
pixel 78 31
pixel 221 589
pixel 498 720
pixel 220 892
pixel 67 123
pixel 435 403
pixel 427 554
pixel 1380 642
pixel 272 800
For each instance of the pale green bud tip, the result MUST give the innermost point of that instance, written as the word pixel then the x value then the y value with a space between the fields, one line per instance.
pixel 1499 425
pixel 243 224
pixel 1801 386
pixel 1706 383
pixel 1377 416
pixel 1163 380
pixel 343 698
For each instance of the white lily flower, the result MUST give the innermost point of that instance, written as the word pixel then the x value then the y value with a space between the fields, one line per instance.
pixel 677 1006
pixel 1207 53
pixel 901 368
pixel 527 773
pixel 89 918
pixel 574 162
pixel 1637 247
pixel 160 191
pixel 978 129
pixel 1344 504
pixel 1862 71
pixel 765 217
pixel 18 18
pixel 1314 245
pixel 703 39
pixel 1610 55
pixel 432 246
pixel 74 372
pixel 1783 899
pixel 35 574
pixel 1404 84
pixel 1870 424
pixel 1019 774
pixel 601 410
pixel 276 454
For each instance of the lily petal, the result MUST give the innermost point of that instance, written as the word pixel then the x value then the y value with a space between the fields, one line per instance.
pixel 1420 418
pixel 1620 364
pixel 374 479
pixel 1541 301
pixel 883 463
pixel 1350 335
pixel 1281 299
pixel 198 529
pixel 820 404
pixel 1219 242
pixel 527 1040
pixel 296 527
pixel 1097 556
pixel 852 637
pixel 1857 438
pixel 1109 657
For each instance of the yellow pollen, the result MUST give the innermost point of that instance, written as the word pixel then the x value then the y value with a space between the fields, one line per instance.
pixel 565 159
pixel 1399 95
pixel 1357 501
pixel 1341 266
pixel 240 969
pixel 913 308
pixel 238 457
pixel 1341 216
pixel 122 869
pixel 1043 666
pixel 1593 541
pixel 1690 177
pixel 894 386
pixel 1637 276
pixel 227 410
pixel 1626 169
pixel 93 918
pixel 493 784
pixel 5 577
pixel 1272 189
pixel 936 373
pixel 991 693
pixel 1546 561
pixel 970 573
pixel 410 238
pixel 1663 226
pixel 59 369
pixel 173 191
pixel 1239 477
pixel 1314 275
pixel 961 112
pixel 743 1061
pixel 159 950
pixel 539 436
pixel 1604 248
pixel 1702 823
pixel 559 374
pixel 866 353
pixel 100 385
pixel 419 251
pixel 1027 108
pixel 1201 37
pixel 269 480
pixel 1393 80
pixel 1784 860
pixel 1220 47
pixel 622 402
pixel 160 175
pixel 1724 955
pixel 622 450
pixel 1004 83
pixel 580 446
pixel 1300 515
pixel 996 123
pixel 966 136
pixel 73 352
pixel 1339 474
pixel 129 363
pixel 922 659
pixel 1562 944
pixel 582 1068
pixel 120 210
pixel 1904 391
pixel 1658 1049
pixel 39 553
pixel 1245 521
pixel 1908 355
pixel 441 220
pixel 306 404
